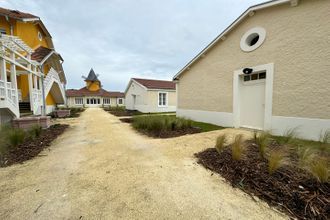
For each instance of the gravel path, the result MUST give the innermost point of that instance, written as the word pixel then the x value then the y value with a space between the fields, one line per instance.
pixel 102 169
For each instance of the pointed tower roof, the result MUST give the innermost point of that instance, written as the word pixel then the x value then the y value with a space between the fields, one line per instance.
pixel 92 76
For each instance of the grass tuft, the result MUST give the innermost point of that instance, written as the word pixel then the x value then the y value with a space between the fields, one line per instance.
pixel 220 143
pixel 160 123
pixel 276 160
pixel 325 140
pixel 238 147
pixel 262 141
pixel 35 131
pixel 16 137
pixel 320 170
pixel 305 155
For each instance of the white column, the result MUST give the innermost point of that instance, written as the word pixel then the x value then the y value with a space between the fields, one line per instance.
pixel 3 72
pixel 30 83
pixel 35 83
pixel 13 78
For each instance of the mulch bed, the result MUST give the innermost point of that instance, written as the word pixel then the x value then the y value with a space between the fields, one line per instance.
pixel 31 148
pixel 126 120
pixel 171 134
pixel 123 113
pixel 165 134
pixel 290 189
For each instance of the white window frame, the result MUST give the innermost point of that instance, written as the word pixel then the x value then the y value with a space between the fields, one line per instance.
pixel 80 102
pixel 108 101
pixel 40 36
pixel 122 101
pixel 166 100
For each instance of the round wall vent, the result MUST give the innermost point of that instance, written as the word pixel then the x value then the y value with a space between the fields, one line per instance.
pixel 253 39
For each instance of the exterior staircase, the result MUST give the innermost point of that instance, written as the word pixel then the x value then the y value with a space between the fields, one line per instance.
pixel 25 108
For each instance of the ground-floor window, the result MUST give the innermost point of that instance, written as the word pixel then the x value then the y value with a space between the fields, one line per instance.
pixel 79 101
pixel 93 101
pixel 106 101
pixel 162 99
pixel 120 101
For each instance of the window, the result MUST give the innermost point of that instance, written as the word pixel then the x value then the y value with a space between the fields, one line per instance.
pixel 162 99
pixel 39 36
pixel 106 101
pixel 254 76
pixel 253 39
pixel 3 31
pixel 120 101
pixel 87 101
pixel 79 101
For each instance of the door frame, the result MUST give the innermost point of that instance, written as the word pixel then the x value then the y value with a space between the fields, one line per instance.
pixel 269 68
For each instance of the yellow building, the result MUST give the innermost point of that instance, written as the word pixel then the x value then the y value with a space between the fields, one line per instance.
pixel 32 79
pixel 92 95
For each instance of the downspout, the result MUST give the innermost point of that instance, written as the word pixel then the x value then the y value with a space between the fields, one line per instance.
pixel 43 112
pixel 11 26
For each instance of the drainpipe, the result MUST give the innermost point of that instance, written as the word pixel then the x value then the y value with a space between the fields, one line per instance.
pixel 43 112
pixel 11 26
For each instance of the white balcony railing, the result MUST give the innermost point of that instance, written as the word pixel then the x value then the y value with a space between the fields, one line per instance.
pixel 37 101
pixel 19 94
pixel 2 90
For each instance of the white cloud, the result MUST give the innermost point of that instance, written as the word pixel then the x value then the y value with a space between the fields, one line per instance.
pixel 130 38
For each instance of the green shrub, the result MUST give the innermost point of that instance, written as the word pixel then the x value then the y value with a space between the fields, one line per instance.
pixel 220 143
pixel 262 141
pixel 275 161
pixel 35 131
pixel 238 147
pixel 16 137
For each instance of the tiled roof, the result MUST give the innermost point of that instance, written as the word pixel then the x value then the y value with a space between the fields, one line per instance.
pixel 16 14
pixel 40 53
pixel 156 84
pixel 85 92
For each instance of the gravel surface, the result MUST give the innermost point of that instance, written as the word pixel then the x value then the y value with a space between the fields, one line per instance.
pixel 100 168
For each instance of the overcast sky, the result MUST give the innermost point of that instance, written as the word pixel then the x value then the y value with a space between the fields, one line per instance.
pixel 121 39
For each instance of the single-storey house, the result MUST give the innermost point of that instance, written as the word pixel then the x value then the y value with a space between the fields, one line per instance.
pixel 92 95
pixel 149 95
pixel 268 70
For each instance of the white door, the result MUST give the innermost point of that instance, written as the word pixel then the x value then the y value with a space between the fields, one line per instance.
pixel 252 101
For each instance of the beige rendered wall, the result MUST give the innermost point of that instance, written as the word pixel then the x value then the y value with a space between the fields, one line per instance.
pixel 153 101
pixel 141 96
pixel 297 42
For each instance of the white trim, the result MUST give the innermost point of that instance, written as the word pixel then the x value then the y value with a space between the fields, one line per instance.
pixel 224 119
pixel 229 28
pixel 40 37
pixel 261 32
pixel 307 128
pixel 106 98
pixel 166 105
pixel 122 102
pixel 269 68
pixel 80 102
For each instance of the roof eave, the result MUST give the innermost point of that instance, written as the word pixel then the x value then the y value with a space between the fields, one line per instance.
pixel 229 28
